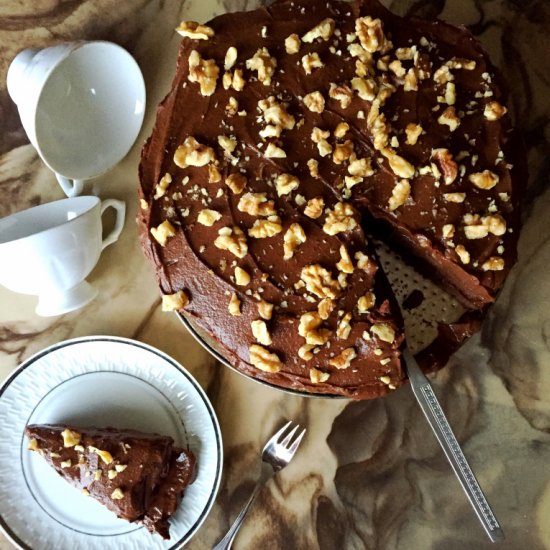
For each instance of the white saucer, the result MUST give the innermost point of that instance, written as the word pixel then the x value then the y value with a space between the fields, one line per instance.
pixel 101 381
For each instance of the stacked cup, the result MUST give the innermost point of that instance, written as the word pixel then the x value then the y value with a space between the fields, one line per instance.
pixel 82 106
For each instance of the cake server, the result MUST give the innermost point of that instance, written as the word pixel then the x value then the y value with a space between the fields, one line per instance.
pixel 435 416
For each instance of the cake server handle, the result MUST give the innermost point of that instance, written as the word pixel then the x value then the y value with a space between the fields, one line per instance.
pixel 433 412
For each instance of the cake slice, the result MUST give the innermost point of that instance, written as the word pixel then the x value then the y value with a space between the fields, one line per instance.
pixel 140 477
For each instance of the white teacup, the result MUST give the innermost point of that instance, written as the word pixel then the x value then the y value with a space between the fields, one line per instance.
pixel 81 104
pixel 49 250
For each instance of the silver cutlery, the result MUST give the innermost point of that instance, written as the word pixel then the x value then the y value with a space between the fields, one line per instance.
pixel 276 454
pixel 431 408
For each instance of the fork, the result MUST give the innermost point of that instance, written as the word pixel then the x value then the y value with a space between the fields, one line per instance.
pixel 276 454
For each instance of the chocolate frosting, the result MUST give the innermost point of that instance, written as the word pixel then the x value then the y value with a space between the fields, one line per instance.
pixel 441 55
pixel 152 478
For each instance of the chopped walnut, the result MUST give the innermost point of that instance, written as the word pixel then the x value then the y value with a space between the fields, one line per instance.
pixel 293 238
pixel 235 80
pixel 232 106
pixel 233 240
pixel 342 152
pixel 309 329
pixel 371 34
pixel 494 110
pixel 319 137
pixel 360 167
pixel 256 204
pixel 234 305
pixel 143 204
pixel 400 194
pixel 174 302
pixel 341 130
pixel 459 63
pixel 325 307
pixel 344 328
pixel 208 217
pixel 317 377
pixel 286 183
pixel 448 231
pixel 410 83
pixel 214 175
pixel 242 278
pixel 275 113
pixel 194 30
pixel 477 227
pixel 117 494
pixel 162 185
pixel 341 93
pixel 322 30
pixel 272 151
pixel 228 144
pixel 443 75
pixel 230 58
pixel 383 332
pixel 343 361
pixel 484 180
pixel 340 219
pixel 105 456
pixel 362 261
pixel 33 445
pixel 236 182
pixel 203 71
pixel 446 164
pixel 313 166
pixel 399 165
pixel 413 132
pixel 265 309
pixel 315 102
pixel 319 281
pixel 264 64
pixel 365 88
pixel 260 332
pixel 463 254
pixel 366 302
pixel 70 438
pixel 292 44
pixel 449 118
pixel 494 263
pixel 397 68
pixel 345 264
pixel 263 359
pixel 450 93
pixel 304 352
pixel 378 126
pixel 265 228
pixel 454 197
pixel 193 153
pixel 314 207
pixel 311 61
pixel 163 232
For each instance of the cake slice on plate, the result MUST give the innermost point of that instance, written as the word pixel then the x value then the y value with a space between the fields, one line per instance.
pixel 139 476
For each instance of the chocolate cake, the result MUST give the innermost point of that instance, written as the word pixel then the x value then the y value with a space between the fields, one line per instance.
pixel 140 477
pixel 293 131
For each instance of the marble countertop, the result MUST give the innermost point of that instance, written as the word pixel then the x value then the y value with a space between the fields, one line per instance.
pixel 369 474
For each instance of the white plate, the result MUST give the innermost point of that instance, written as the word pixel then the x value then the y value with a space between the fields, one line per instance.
pixel 101 381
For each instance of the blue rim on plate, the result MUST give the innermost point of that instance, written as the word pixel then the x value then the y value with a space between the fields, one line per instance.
pixel 180 393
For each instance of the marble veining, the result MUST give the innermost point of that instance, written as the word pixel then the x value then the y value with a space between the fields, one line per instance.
pixel 369 474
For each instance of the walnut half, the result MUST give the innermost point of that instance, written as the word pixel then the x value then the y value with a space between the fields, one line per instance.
pixel 263 359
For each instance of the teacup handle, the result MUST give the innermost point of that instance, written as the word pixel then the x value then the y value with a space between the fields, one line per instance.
pixel 120 207
pixel 72 188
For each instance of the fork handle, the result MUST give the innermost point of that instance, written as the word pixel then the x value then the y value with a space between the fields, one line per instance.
pixel 431 408
pixel 225 543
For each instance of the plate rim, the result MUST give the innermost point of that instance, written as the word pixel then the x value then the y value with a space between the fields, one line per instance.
pixel 5 528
